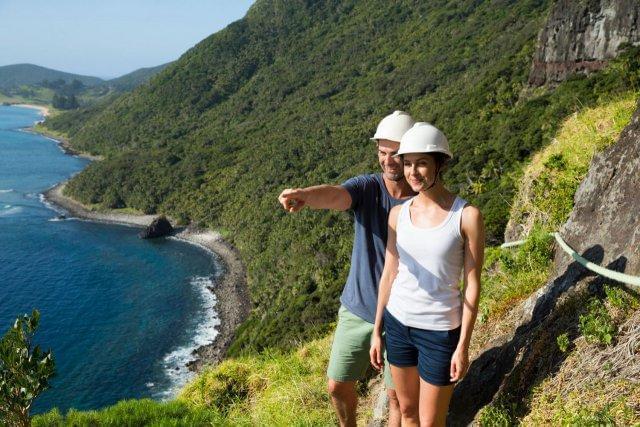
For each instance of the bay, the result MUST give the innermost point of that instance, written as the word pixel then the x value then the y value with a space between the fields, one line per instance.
pixel 122 315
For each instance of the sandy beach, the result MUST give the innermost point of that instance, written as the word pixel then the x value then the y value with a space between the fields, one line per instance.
pixel 231 291
pixel 44 110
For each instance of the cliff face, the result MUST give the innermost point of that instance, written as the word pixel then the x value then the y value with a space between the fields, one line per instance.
pixel 604 227
pixel 581 36
pixel 605 215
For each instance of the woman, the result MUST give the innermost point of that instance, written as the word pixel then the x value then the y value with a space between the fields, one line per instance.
pixel 432 239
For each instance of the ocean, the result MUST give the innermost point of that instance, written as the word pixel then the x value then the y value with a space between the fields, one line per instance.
pixel 122 315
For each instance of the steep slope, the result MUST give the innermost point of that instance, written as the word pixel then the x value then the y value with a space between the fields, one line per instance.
pixel 135 78
pixel 28 74
pixel 559 386
pixel 288 95
pixel 550 349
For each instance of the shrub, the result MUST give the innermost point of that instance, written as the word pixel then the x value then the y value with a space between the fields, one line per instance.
pixel 596 325
pixel 25 371
pixel 563 342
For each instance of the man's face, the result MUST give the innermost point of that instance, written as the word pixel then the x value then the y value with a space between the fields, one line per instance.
pixel 391 166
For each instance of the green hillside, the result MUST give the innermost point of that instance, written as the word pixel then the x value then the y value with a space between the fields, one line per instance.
pixel 135 78
pixel 284 388
pixel 288 96
pixel 12 76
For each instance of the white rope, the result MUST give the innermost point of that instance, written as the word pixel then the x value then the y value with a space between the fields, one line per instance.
pixel 605 272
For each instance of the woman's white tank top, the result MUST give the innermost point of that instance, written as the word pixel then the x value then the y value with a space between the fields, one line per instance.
pixel 426 291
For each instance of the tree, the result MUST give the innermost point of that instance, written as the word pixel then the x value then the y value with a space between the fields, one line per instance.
pixel 24 371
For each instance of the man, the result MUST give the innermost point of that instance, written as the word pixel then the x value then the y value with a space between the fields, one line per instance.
pixel 371 197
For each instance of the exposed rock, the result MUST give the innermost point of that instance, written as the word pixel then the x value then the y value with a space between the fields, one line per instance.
pixel 160 227
pixel 606 205
pixel 604 227
pixel 581 36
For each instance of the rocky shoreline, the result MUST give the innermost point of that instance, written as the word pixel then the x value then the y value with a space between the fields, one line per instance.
pixel 231 290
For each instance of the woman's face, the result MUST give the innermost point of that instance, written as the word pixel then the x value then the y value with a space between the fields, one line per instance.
pixel 419 170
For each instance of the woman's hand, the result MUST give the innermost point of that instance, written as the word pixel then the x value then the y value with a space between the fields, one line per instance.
pixel 459 364
pixel 375 353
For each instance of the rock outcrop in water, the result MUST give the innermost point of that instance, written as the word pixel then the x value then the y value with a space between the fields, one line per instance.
pixel 160 227
pixel 581 36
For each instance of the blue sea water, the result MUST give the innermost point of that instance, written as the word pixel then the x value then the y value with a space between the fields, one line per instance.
pixel 121 315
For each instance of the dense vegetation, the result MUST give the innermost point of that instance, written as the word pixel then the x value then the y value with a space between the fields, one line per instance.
pixel 288 387
pixel 135 78
pixel 288 95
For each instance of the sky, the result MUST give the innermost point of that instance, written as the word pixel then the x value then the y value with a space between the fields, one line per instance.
pixel 108 38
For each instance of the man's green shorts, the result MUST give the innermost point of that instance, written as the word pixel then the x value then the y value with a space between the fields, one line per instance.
pixel 349 359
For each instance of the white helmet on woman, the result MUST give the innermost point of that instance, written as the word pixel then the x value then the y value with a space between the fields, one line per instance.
pixel 424 138
pixel 393 126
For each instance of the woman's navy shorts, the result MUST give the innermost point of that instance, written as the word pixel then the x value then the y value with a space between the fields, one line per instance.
pixel 430 350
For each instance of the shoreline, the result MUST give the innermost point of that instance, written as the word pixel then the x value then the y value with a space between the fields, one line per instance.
pixel 230 290
pixel 43 109
pixel 62 142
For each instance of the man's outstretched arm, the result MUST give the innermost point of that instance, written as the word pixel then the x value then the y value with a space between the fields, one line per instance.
pixel 334 197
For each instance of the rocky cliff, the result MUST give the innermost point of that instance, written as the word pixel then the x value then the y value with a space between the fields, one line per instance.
pixel 604 227
pixel 605 214
pixel 581 36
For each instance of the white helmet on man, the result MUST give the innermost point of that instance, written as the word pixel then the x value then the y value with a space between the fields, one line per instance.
pixel 424 138
pixel 393 126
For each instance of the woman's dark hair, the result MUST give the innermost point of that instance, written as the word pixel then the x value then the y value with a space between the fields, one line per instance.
pixel 442 161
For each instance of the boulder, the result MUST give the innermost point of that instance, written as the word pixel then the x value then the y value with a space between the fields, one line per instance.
pixel 160 227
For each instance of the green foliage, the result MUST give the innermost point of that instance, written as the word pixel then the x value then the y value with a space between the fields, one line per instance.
pixel 586 417
pixel 287 97
pixel 495 415
pixel 596 325
pixel 512 274
pixel 563 342
pixel 547 188
pixel 621 299
pixel 270 389
pixel 134 413
pixel 25 370
pixel 64 102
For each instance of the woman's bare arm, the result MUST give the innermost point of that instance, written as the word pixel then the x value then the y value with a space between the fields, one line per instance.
pixel 384 289
pixel 472 229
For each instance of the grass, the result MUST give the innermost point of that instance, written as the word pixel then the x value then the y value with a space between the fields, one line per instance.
pixel 597 384
pixel 134 413
pixel 545 195
pixel 29 95
pixel 270 389
pixel 543 203
pixel 275 389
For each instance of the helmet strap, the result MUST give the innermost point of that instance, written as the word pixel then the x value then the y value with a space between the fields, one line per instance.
pixel 435 179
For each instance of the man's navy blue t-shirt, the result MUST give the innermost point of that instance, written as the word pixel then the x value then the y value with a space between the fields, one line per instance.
pixel 371 203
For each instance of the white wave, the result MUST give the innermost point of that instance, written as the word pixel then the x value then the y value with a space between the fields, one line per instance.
pixel 51 206
pixel 175 363
pixel 56 219
pixel 8 190
pixel 11 211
